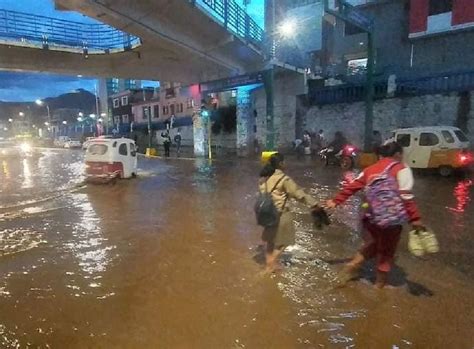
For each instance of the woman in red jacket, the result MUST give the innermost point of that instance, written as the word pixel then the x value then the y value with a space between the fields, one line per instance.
pixel 380 242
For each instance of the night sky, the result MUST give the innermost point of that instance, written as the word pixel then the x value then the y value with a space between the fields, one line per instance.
pixel 16 86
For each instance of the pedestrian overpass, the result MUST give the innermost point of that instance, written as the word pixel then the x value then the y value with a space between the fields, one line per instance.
pixel 181 40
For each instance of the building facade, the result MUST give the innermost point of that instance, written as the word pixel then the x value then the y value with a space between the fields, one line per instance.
pixel 121 106
pixel 413 38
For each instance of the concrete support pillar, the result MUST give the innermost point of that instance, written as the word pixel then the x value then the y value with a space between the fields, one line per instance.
pixel 200 135
pixel 244 114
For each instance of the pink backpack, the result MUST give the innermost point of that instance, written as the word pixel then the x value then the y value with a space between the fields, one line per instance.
pixel 386 204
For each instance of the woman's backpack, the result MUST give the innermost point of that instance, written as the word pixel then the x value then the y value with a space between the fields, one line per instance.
pixel 386 204
pixel 265 210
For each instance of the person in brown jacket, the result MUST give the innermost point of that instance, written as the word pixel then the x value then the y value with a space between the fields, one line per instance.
pixel 278 237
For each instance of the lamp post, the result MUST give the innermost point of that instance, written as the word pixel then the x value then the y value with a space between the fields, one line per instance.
pixel 284 30
pixel 41 103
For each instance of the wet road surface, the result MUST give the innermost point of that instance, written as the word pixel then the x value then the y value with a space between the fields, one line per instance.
pixel 169 260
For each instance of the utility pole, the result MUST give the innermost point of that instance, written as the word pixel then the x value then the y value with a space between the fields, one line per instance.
pixel 269 82
pixel 369 88
pixel 350 14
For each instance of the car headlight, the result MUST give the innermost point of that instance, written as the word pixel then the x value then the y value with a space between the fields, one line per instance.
pixel 25 147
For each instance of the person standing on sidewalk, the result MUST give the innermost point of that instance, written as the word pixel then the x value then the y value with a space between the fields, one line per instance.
pixel 166 142
pixel 177 141
pixel 382 225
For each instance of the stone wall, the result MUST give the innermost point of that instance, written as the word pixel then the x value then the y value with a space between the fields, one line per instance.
pixel 389 114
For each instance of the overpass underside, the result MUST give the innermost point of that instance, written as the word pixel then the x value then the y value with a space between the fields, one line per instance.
pixel 179 42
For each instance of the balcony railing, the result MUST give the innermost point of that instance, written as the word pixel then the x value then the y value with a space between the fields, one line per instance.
pixel 234 18
pixel 24 29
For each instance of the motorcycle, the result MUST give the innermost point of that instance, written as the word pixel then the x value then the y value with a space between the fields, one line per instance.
pixel 344 158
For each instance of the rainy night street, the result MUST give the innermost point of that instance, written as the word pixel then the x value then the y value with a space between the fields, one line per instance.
pixel 170 260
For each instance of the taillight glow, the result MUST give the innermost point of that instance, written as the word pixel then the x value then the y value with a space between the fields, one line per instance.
pixel 350 149
pixel 465 158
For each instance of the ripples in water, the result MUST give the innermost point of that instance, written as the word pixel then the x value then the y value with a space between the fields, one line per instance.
pixel 19 240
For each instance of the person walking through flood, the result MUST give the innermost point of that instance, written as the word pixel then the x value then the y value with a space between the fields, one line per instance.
pixel 281 188
pixel 387 184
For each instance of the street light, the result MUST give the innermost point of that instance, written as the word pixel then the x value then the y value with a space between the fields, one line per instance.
pixel 10 120
pixel 46 123
pixel 92 116
pixel 81 114
pixel 41 103
pixel 64 122
pixel 103 115
pixel 21 113
pixel 79 119
pixel 287 29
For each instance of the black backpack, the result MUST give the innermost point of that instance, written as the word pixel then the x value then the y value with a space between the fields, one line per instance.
pixel 265 210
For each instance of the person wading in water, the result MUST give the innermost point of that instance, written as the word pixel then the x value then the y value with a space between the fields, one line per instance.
pixel 281 188
pixel 387 185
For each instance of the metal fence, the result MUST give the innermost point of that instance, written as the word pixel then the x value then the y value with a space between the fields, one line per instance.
pixel 348 93
pixel 234 18
pixel 27 29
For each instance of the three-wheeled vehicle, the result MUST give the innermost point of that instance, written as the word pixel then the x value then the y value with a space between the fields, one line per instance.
pixel 444 148
pixel 108 159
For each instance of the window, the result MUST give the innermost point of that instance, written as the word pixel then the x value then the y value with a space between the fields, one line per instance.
pixel 165 110
pixel 440 6
pixel 97 149
pixel 448 137
pixel 124 100
pixel 179 107
pixel 172 109
pixel 123 149
pixel 117 119
pixel 156 111
pixel 404 140
pixel 116 103
pixel 133 150
pixel 125 119
pixel 461 136
pixel 190 103
pixel 350 29
pixel 233 93
pixel 356 66
pixel 428 139
pixel 146 112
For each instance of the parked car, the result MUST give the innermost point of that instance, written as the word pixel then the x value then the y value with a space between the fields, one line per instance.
pixel 61 141
pixel 443 148
pixel 73 144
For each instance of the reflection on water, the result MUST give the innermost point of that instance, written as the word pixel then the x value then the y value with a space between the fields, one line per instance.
pixel 204 180
pixel 462 195
pixel 27 178
pixel 88 244
pixel 5 170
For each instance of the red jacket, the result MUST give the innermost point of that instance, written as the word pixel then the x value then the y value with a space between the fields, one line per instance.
pixel 399 171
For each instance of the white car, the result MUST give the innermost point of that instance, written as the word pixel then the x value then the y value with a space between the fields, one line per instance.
pixel 73 144
pixel 61 141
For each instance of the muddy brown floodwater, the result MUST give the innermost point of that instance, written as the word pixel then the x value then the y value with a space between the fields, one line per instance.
pixel 169 260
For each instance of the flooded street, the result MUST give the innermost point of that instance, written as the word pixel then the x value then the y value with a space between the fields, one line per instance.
pixel 170 260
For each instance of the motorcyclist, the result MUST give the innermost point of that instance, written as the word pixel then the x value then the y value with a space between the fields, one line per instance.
pixel 338 142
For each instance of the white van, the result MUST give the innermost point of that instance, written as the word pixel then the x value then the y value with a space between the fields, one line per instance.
pixel 444 148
